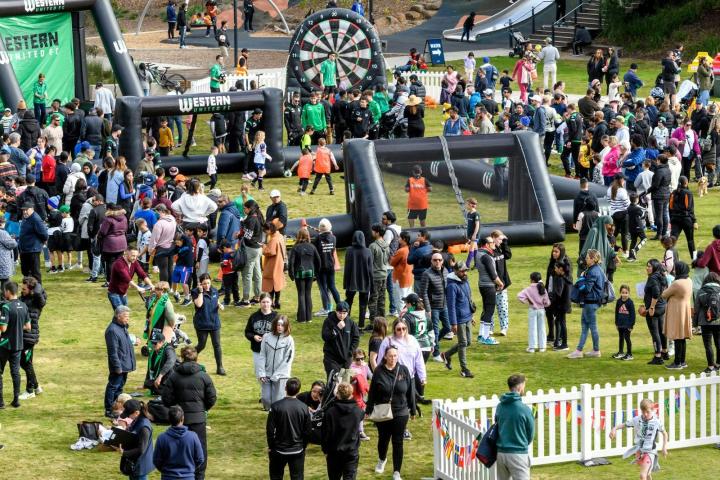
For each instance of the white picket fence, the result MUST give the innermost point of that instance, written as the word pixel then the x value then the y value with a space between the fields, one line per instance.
pixel 575 425
pixel 277 78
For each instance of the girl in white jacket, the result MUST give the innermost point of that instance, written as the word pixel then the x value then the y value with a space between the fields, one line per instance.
pixel 277 352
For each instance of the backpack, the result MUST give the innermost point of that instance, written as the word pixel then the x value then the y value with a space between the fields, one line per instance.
pixel 712 302
pixel 394 243
pixel 239 259
pixel 578 290
pixel 608 293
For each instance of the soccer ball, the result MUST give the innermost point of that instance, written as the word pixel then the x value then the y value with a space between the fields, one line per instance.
pixel 287 174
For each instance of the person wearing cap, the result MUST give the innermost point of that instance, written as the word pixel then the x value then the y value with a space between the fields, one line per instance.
pixel 32 237
pixel 277 211
pixel 139 459
pixel 161 361
pixel 549 56
pixel 6 121
pixel 341 336
pixel 35 195
pixel 178 452
pixel 121 355
pixel 105 100
pixel 460 312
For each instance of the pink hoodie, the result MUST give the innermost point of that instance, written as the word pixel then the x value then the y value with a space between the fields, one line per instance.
pixel 531 297
pixel 610 166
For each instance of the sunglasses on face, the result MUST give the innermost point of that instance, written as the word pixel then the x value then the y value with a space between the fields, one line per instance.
pixel 400 329
pixel 437 259
pixel 359 359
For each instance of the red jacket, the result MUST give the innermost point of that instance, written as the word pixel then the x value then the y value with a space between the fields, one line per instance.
pixel 711 257
pixel 121 274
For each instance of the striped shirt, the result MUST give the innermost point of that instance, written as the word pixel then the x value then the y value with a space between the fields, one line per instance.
pixel 621 201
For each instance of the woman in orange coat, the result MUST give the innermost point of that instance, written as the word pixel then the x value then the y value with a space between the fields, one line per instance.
pixel 273 276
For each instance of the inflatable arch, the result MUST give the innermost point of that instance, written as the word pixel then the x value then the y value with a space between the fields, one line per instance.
pixel 108 29
pixel 130 110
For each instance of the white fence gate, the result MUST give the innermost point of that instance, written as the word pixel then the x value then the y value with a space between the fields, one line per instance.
pixel 575 425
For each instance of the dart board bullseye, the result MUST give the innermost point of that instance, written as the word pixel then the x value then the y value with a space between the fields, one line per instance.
pixel 360 62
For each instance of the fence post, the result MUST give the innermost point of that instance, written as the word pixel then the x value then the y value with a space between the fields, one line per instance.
pixel 532 14
pixel 586 427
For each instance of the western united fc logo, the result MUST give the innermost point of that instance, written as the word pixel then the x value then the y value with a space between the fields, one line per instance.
pixel 40 6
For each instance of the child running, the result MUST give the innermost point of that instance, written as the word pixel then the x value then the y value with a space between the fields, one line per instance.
pixel 304 166
pixel 646 428
pixel 625 322
pixel 324 160
pixel 261 155
pixel 536 297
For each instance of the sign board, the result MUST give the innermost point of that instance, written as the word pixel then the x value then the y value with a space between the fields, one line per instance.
pixel 434 47
pixel 41 44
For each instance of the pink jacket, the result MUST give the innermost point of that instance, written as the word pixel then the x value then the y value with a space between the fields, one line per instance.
pixel 610 164
pixel 163 233
pixel 530 296
pixel 679 135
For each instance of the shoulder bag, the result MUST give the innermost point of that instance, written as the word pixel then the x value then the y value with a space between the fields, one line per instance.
pixel 382 412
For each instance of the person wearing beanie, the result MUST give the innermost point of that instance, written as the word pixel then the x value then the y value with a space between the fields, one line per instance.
pixel 35 195
pixel 341 336
pixel 69 186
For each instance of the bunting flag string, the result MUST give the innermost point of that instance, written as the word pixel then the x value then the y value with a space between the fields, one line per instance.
pixel 461 456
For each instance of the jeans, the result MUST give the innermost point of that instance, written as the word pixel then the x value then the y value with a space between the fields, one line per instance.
pixel 464 335
pixel 176 122
pixel 272 391
pixel 438 316
pixel 96 266
pixel 304 292
pixel 392 429
pixel 247 21
pixel 588 321
pixel 183 32
pixel 326 283
pixel 39 109
pixel 536 328
pixel 662 215
pixel 252 273
pixel 465 34
pixel 377 299
pixel 108 259
pixel 350 297
pixel 295 463
pixel 703 97
pixel 202 336
pixel 392 293
pixel 116 382
pixel 116 300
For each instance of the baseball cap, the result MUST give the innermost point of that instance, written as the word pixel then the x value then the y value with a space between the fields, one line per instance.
pixel 274 193
pixel 461 267
pixel 536 98
pixel 488 91
pixel 131 406
pixel 8 110
pixel 27 205
pixel 156 336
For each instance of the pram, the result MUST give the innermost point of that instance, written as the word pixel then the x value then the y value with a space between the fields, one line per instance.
pixel 392 124
pixel 519 43
pixel 686 93
pixel 328 398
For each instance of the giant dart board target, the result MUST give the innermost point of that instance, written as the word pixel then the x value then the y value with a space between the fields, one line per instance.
pixel 360 62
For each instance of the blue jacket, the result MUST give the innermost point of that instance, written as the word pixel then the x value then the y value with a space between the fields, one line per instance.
pixel 358 8
pixel 539 121
pixel 207 317
pixel 474 100
pixel 633 82
pixel 454 128
pixel 595 282
pixel 143 462
pixel 458 296
pixel 178 453
pixel 149 216
pixel 33 234
pixel 633 164
pixel 229 223
pixel 20 160
pixel 121 355
pixel 171 14
pixel 419 258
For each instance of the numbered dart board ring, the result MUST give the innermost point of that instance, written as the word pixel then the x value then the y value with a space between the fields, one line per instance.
pixel 360 62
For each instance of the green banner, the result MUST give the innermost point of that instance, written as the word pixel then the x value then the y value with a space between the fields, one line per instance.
pixel 41 44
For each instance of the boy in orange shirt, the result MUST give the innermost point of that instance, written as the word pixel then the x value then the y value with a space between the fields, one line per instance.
pixel 304 167
pixel 417 188
pixel 324 159
pixel 166 140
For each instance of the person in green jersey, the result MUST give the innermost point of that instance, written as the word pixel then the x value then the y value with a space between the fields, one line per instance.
pixel 217 74
pixel 328 73
pixel 313 114
pixel 40 97
pixel 54 111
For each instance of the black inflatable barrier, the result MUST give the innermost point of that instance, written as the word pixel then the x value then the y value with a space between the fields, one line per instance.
pixel 107 26
pixel 129 111
pixel 342 227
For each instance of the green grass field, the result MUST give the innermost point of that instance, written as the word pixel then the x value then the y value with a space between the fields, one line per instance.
pixel 72 367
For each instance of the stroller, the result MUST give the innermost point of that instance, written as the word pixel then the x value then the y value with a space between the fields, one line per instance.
pixel 392 124
pixel 519 43
pixel 328 398
pixel 686 93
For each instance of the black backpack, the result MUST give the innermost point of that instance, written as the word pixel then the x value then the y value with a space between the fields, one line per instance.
pixel 395 242
pixel 239 259
pixel 712 302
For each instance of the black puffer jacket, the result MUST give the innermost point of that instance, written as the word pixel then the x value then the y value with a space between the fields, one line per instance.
pixel 660 187
pixel 190 387
pixel 358 265
pixel 35 303
pixel 93 129
pixel 432 288
pixel 325 245
pixel 29 131
pixel 304 261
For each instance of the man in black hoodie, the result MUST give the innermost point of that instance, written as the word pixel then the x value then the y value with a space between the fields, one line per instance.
pixel 341 336
pixel 341 436
pixel 193 390
pixel 682 214
pixel 358 274
pixel 34 297
pixel 293 122
pixel 660 191
pixel 288 430
pixel 580 198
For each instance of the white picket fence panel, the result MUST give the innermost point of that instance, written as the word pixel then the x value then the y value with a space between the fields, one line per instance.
pixel 575 424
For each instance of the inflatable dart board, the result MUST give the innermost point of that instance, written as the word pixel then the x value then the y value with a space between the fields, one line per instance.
pixel 360 61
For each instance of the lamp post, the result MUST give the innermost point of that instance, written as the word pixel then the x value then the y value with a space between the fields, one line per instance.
pixel 370 12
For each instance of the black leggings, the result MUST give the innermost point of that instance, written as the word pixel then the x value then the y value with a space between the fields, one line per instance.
pixel 202 336
pixel 394 429
pixel 685 225
pixel 680 350
pixel 419 387
pixel 26 363
pixel 710 335
pixel 557 324
pixel 624 338
pixel 304 292
pixel 620 219
pixel 108 259
pixel 655 325
pixel 165 265
pixel 364 297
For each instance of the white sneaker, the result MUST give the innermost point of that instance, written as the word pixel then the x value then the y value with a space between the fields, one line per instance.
pixel 26 395
pixel 38 390
pixel 396 476
pixel 503 332
pixel 449 336
pixel 321 313
pixel 530 350
pixel 380 467
pixel 438 359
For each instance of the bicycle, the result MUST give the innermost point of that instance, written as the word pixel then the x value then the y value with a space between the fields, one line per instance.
pixel 172 83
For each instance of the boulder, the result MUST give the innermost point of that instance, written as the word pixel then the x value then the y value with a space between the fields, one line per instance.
pixel 413 16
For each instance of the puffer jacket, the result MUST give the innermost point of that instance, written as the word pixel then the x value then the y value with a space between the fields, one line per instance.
pixel 35 303
pixel 459 297
pixel 29 131
pixel 276 356
pixel 112 232
pixel 190 387
pixel 432 288
pixel 7 261
pixel 228 224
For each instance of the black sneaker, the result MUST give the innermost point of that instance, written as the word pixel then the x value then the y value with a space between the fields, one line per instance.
pixel 447 360
pixel 665 356
pixel 561 348
pixel 105 285
pixel 238 303
pixel 312 192
pixel 221 371
pixel 673 366
pixel 15 403
pixel 466 373
pixel 244 303
pixel 91 279
pixel 627 357
pixel 186 302
pixel 254 301
pixel 656 361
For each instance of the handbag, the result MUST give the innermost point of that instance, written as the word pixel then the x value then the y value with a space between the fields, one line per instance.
pixel 382 412
pixel 127 467
pixel 88 430
pixel 487 449
pixel 239 259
